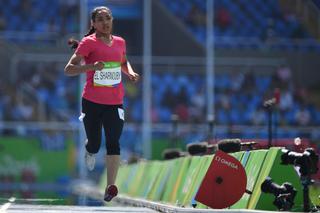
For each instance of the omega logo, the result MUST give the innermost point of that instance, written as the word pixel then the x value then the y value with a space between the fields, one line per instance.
pixel 227 163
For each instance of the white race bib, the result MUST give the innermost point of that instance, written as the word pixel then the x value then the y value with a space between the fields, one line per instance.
pixel 121 113
pixel 110 76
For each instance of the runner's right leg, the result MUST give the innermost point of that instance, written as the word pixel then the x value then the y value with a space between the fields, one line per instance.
pixel 93 127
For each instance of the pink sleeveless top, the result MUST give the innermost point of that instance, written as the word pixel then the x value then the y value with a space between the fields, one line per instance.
pixel 103 87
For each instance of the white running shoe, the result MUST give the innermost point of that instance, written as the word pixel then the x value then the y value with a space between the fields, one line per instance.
pixel 90 160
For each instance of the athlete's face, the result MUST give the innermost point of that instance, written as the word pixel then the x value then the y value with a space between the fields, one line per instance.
pixel 103 22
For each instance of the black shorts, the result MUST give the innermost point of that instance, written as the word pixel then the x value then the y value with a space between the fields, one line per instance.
pixel 110 117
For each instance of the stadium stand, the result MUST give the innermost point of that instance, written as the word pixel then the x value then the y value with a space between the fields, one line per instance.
pixel 242 25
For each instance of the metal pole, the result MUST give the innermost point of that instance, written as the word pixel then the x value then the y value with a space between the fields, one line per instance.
pixel 147 52
pixel 81 146
pixel 275 130
pixel 306 181
pixel 270 126
pixel 210 61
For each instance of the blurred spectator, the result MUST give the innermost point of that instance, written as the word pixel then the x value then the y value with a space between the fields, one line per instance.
pixel 224 99
pixel 68 15
pixel 3 96
pixel 53 26
pixel 223 18
pixel 22 111
pixel 182 111
pixel 7 177
pixel 168 99
pixel 248 82
pixel 282 78
pixel 195 16
pixel 197 107
pixel 284 73
pixel 286 100
pixel 303 116
pixel 301 94
pixel 270 33
pixel 237 79
pixel 298 32
pixel 182 96
pixel 3 23
pixel 7 95
pixel 154 115
pixel 291 19
pixel 288 13
pixel 25 9
pixel 28 177
pixel 258 116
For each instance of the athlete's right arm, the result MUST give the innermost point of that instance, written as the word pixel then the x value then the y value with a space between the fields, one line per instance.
pixel 74 66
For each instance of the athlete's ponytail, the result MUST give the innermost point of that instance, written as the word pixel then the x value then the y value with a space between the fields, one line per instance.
pixel 91 31
pixel 73 43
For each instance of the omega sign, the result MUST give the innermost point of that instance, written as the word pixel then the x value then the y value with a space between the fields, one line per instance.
pixel 224 183
pixel 226 162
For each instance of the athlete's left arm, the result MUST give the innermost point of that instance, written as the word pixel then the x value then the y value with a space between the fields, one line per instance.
pixel 127 69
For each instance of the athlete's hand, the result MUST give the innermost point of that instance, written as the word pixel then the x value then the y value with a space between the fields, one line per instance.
pixel 98 65
pixel 134 76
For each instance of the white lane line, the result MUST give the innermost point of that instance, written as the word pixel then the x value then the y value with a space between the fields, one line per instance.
pixel 5 206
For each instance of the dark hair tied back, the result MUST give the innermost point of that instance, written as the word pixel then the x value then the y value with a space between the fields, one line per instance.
pixel 91 31
pixel 73 43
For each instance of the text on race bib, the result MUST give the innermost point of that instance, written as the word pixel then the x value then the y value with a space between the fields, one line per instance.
pixel 109 76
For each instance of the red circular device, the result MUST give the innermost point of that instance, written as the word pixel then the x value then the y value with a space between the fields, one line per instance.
pixel 224 183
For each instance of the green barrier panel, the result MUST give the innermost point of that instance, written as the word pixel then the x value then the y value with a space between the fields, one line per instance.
pixel 176 163
pixel 157 191
pixel 180 178
pixel 137 178
pixel 175 177
pixel 144 180
pixel 314 194
pixel 120 181
pixel 133 170
pixel 190 177
pixel 244 159
pixel 103 179
pixel 123 178
pixel 279 174
pixel 127 175
pixel 154 168
pixel 253 162
pixel 196 172
pixel 237 155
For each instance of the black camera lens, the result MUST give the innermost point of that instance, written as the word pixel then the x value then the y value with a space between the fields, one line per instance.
pixel 307 161
pixel 284 194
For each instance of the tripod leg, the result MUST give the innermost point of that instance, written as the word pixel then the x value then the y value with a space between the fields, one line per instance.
pixel 270 127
